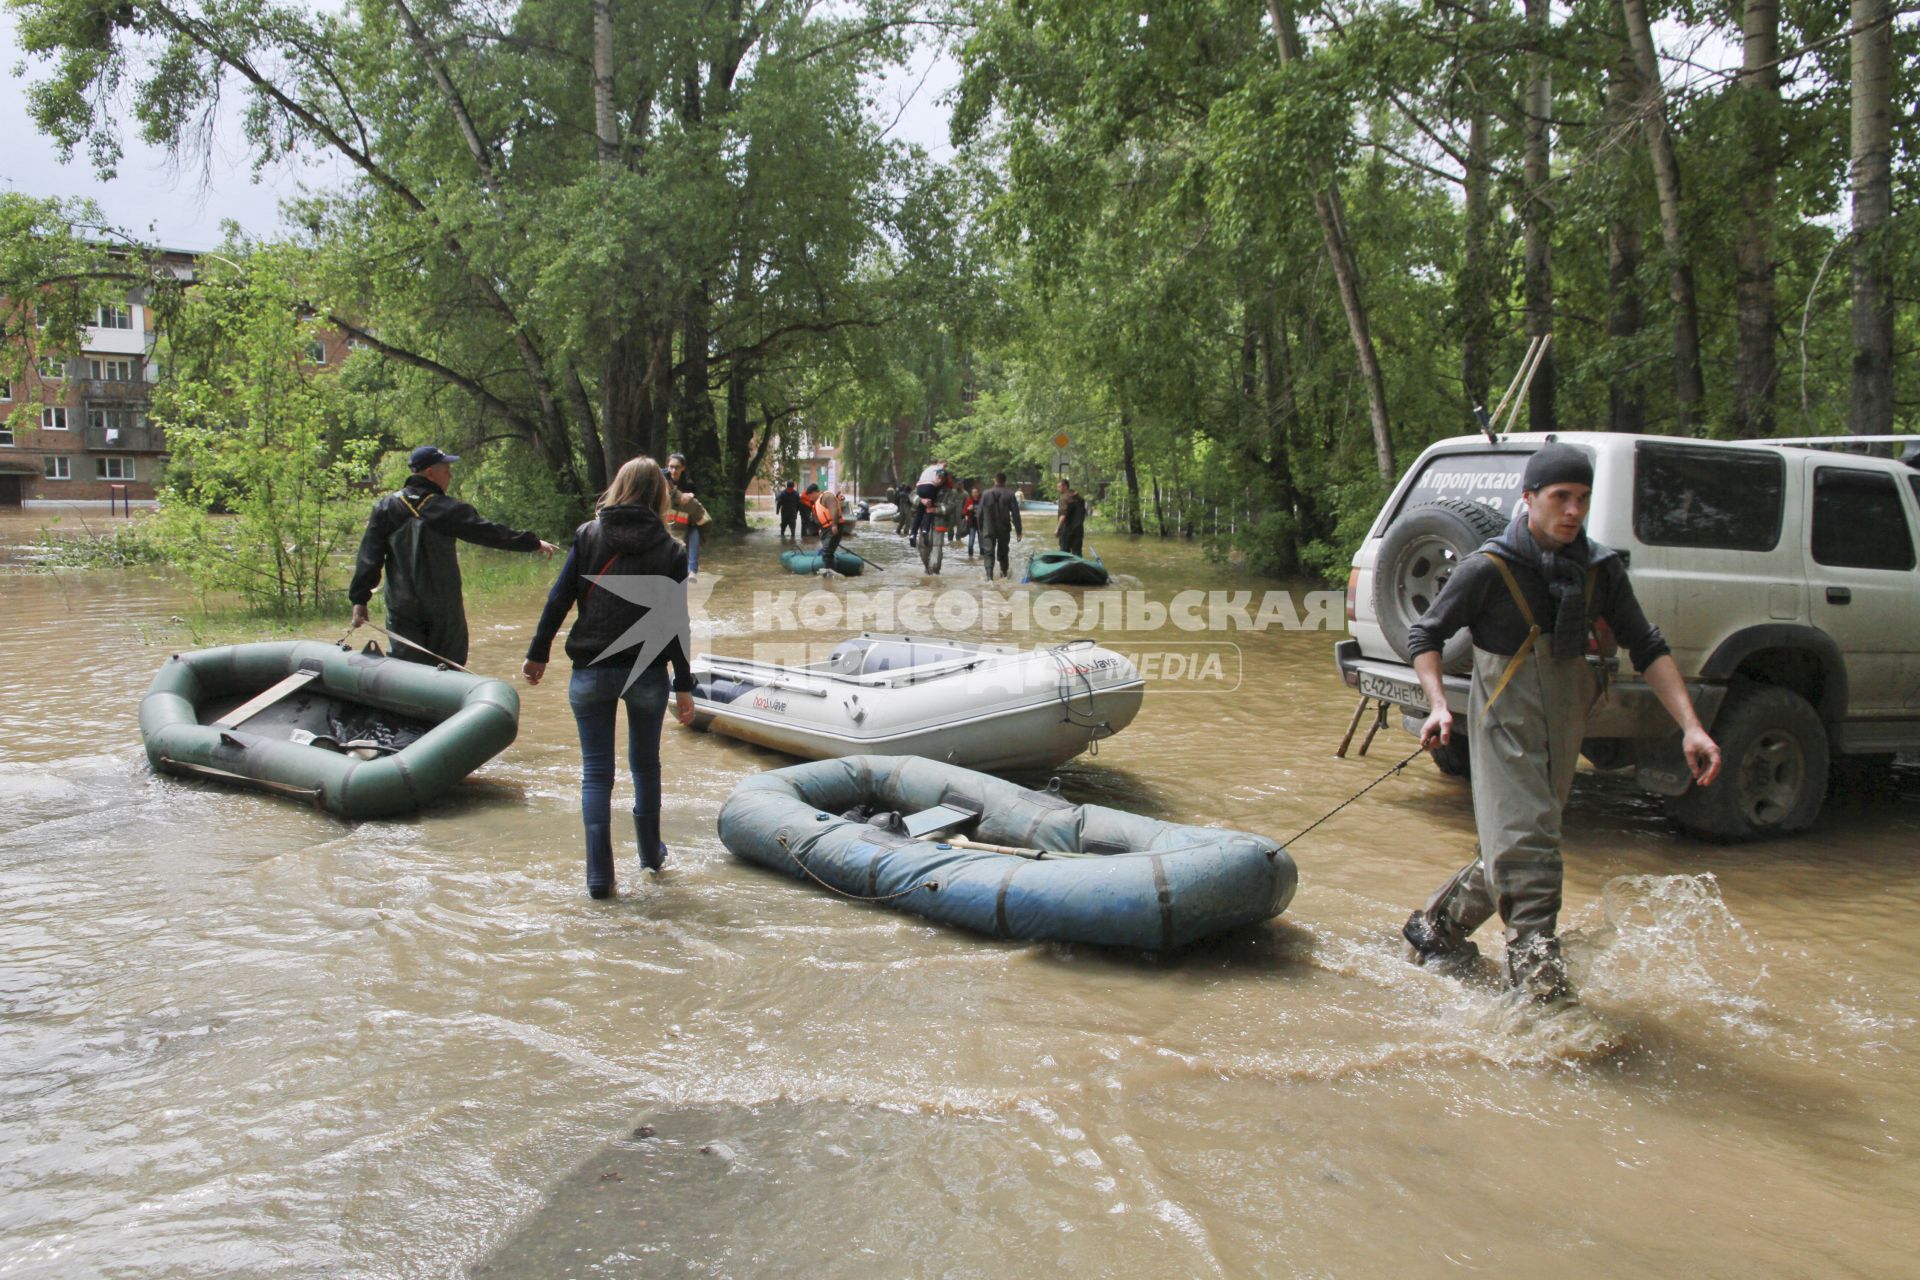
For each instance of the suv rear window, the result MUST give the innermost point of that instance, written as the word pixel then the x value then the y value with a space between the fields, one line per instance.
pixel 1858 522
pixel 1722 499
pixel 1489 478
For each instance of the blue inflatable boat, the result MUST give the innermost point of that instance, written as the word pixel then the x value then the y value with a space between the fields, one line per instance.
pixel 968 849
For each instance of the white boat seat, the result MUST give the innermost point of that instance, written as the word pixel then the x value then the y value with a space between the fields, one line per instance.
pixel 847 658
pixel 893 655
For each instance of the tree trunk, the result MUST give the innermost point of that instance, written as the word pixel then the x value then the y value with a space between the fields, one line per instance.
pixel 694 419
pixel 1871 179
pixel 1689 389
pixel 728 500
pixel 606 134
pixel 1277 394
pixel 1326 204
pixel 1536 212
pixel 1626 405
pixel 1477 286
pixel 1756 367
pixel 1132 472
pixel 593 446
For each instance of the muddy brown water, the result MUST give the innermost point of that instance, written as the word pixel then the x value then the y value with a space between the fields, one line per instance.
pixel 239 1037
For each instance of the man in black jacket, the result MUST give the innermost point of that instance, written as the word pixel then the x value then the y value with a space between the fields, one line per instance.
pixel 787 504
pixel 1071 527
pixel 999 518
pixel 410 538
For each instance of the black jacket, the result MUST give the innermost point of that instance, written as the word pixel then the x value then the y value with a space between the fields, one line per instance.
pixel 998 512
pixel 629 540
pixel 787 502
pixel 1476 597
pixel 410 538
pixel 1074 508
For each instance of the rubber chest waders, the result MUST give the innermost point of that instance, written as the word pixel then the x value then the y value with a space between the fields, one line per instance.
pixel 1527 714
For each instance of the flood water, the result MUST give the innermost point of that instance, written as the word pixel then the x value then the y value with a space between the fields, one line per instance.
pixel 240 1037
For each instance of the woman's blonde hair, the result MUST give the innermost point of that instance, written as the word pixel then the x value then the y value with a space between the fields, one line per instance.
pixel 639 483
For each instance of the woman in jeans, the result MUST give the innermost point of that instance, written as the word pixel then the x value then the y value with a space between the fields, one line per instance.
pixel 627 537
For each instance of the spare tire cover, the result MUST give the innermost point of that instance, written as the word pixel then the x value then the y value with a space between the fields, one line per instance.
pixel 1417 557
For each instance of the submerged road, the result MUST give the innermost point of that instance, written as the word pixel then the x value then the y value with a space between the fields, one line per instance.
pixel 240 1037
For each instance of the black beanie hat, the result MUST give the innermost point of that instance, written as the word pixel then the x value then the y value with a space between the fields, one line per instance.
pixel 1557 464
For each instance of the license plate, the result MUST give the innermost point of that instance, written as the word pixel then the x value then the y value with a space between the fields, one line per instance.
pixel 1400 691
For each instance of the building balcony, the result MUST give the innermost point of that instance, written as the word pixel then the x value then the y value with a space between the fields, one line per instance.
pixel 119 392
pixel 124 439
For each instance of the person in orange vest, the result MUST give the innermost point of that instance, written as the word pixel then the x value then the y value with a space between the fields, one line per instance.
pixel 688 519
pixel 830 510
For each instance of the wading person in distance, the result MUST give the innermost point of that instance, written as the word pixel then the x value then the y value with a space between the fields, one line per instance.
pixel 998 514
pixel 409 539
pixel 926 491
pixel 787 506
pixel 830 510
pixel 627 537
pixel 809 527
pixel 1071 526
pixel 1530 597
pixel 689 518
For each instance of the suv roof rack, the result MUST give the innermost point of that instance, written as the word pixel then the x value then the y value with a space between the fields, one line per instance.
pixel 1861 444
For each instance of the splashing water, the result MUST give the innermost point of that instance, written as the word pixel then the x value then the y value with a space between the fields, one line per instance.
pixel 1669 944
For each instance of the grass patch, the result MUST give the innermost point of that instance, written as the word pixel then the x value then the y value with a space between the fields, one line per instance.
pixel 119 546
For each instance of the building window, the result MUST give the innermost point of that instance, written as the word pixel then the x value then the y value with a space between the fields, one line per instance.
pixel 316 352
pixel 110 370
pixel 6 389
pixel 59 468
pixel 114 317
pixel 111 422
pixel 53 417
pixel 51 370
pixel 114 468
pixel 6 434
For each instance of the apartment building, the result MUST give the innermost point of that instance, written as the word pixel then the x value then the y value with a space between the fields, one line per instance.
pixel 74 428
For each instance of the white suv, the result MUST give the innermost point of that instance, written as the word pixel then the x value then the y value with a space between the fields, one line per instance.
pixel 1783 576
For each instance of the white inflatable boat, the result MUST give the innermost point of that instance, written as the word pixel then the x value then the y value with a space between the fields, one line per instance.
pixel 983 706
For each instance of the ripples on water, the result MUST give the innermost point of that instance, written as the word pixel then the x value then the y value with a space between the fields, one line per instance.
pixel 240 1037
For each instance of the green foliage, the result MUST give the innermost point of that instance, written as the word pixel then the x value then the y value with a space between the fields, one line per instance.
pixel 266 487
pixel 1150 175
pixel 506 489
pixel 742 222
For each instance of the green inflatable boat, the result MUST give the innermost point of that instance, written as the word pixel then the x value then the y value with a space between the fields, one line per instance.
pixel 810 561
pixel 972 850
pixel 360 735
pixel 1064 569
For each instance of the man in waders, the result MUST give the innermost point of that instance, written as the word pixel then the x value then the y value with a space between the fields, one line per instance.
pixel 999 518
pixel 410 537
pixel 1529 597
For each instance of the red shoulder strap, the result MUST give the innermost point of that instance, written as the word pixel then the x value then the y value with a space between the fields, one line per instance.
pixel 591 584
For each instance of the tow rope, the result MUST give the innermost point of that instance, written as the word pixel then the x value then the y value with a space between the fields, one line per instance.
pixel 1356 795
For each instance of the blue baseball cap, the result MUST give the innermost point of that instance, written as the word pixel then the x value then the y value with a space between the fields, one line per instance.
pixel 429 455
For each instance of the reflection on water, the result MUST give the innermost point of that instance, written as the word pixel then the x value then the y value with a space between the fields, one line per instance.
pixel 237 1036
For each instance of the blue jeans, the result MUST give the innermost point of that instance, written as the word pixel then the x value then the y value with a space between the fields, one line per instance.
pixel 593 693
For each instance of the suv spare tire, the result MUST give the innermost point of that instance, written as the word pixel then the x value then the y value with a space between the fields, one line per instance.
pixel 1419 553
